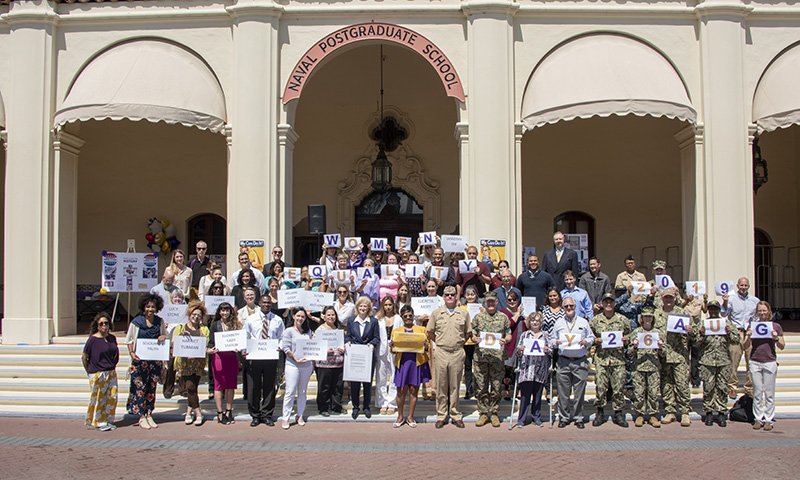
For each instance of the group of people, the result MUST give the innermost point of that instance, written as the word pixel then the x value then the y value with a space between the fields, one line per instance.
pixel 573 323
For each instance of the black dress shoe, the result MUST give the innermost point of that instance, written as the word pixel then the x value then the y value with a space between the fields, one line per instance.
pixel 367 413
pixel 563 424
pixel 579 425
pixel 268 421
pixel 355 413
pixel 709 419
pixel 255 421
pixel 720 419
pixel 325 414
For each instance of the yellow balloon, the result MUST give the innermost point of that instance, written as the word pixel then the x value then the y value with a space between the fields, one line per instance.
pixel 160 238
pixel 104 290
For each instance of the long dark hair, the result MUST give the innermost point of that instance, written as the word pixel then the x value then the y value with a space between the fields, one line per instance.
pixel 93 328
pixel 305 327
pixel 233 320
pixel 336 322
pixel 215 283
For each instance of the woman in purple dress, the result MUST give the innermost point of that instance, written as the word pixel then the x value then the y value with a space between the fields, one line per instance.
pixel 411 369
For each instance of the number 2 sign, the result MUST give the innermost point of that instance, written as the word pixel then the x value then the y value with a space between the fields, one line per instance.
pixel 612 339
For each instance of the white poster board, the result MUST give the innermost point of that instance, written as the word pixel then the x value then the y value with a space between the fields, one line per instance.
pixel 128 272
pixel 174 315
pixel 414 270
pixel 358 364
pixel 424 305
pixel 334 338
pixel 473 309
pixel 150 349
pixel 677 323
pixel 534 347
pixel 695 288
pixel 231 340
pixel 454 243
pixel 761 329
pixel 214 301
pixel 640 288
pixel 290 298
pixel 316 301
pixel 528 305
pixel 311 349
pixel 612 339
pixel 188 346
pixel 721 288
pixel 263 349
pixel 664 281
pixel 490 340
pixel 648 340
pixel 714 326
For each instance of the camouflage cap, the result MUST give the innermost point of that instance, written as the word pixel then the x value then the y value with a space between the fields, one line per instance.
pixel 669 292
pixel 659 264
pixel 607 296
pixel 490 296
pixel 714 304
pixel 648 311
pixel 450 289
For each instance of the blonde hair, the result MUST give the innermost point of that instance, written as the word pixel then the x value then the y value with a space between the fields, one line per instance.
pixel 172 264
pixel 366 300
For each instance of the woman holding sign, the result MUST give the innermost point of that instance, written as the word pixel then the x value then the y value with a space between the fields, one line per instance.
pixel 763 364
pixel 411 369
pixel 298 370
pixel 145 373
pixel 246 280
pixel 329 372
pixel 384 379
pixel 100 358
pixel 514 314
pixel 533 370
pixel 363 329
pixel 224 364
pixel 191 369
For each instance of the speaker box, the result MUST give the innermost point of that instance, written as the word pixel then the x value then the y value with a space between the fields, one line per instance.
pixel 316 219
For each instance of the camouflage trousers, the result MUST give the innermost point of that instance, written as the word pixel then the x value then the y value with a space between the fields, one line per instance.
pixel 613 377
pixel 715 387
pixel 675 387
pixel 489 379
pixel 646 389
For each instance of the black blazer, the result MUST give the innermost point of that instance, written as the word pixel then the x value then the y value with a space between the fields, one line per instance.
pixel 569 261
pixel 372 334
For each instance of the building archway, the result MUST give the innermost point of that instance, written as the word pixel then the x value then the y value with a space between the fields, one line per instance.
pixel 389 214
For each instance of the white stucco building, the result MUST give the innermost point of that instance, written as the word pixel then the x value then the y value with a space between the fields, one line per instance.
pixel 631 120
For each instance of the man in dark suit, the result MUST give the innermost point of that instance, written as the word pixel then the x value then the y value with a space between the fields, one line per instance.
pixel 558 260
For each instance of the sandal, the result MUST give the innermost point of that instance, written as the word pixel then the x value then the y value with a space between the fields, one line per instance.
pixel 222 418
pixel 399 423
pixel 411 423
pixel 383 410
pixel 231 420
pixel 188 419
pixel 390 410
pixel 198 421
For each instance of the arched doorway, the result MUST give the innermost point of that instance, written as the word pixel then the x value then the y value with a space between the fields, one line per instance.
pixel 389 214
pixel 764 260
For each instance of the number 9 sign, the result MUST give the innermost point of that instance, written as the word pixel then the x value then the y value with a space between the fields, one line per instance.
pixel 722 288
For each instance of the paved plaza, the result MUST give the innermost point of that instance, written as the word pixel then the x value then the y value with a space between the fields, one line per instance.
pixel 65 449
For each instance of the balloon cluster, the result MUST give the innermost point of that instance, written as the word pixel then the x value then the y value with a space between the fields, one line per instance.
pixel 162 236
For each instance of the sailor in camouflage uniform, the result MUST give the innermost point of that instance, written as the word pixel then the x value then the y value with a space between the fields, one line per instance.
pixel 609 363
pixel 647 371
pixel 715 364
pixel 675 368
pixel 488 363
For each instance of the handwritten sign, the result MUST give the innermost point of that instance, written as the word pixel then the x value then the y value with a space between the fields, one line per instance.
pixel 358 363
pixel 761 329
pixel 333 239
pixel 677 323
pixel 490 340
pixel 316 301
pixel 290 298
pixel 174 314
pixel 695 288
pixel 334 338
pixel 454 243
pixel 402 243
pixel 612 339
pixel 473 309
pixel 311 349
pixel 150 349
pixel 263 349
pixel 424 305
pixel 214 301
pixel 352 243
pixel 231 340
pixel 378 244
pixel 714 326
pixel 534 347
pixel 640 288
pixel 648 340
pixel 292 274
pixel 721 288
pixel 189 346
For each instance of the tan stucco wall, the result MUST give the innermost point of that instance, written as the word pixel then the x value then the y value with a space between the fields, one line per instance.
pixel 623 171
pixel 131 171
pixel 333 117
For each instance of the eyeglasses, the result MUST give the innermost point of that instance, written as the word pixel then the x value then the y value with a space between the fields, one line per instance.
pixel 100 324
pixel 201 248
pixel 449 294
pixel 277 252
pixel 512 299
pixel 569 306
pixel 408 315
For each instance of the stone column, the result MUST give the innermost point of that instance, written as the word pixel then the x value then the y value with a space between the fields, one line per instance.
pixel 28 275
pixel 489 198
pixel 695 255
pixel 727 176
pixel 253 166
pixel 287 137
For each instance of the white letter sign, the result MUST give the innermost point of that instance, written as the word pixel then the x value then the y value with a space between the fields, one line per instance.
pixel 340 276
pixel 721 288
pixel 664 281
pixel 761 329
pixel 388 270
pixel 402 243
pixel 439 272
pixel 714 326
pixel 677 323
pixel 533 346
pixel 490 340
pixel 427 238
pixel 188 346
pixel 292 274
pixel 414 270
pixel 612 339
pixel 378 244
pixel 640 288
pixel 352 243
pixel 317 271
pixel 333 239
pixel 365 273
pixel 695 288
pixel 467 266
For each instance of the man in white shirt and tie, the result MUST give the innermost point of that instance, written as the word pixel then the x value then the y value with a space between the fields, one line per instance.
pixel 571 335
pixel 260 374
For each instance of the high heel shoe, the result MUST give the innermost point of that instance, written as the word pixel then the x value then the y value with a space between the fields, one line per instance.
pixel 222 418
pixel 231 420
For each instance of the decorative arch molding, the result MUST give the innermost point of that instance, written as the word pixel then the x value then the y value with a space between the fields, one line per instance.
pixel 408 174
pixel 373 31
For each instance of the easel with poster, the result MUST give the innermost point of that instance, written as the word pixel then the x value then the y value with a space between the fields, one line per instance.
pixel 128 272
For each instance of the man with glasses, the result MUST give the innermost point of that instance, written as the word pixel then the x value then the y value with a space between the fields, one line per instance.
pixel 277 256
pixel 489 361
pixel 449 327
pixel 199 266
pixel 571 335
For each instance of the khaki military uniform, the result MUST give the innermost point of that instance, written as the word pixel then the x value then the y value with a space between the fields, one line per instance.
pixel 450 330
pixel 488 363
pixel 609 363
pixel 715 364
pixel 624 279
pixel 675 367
pixel 646 374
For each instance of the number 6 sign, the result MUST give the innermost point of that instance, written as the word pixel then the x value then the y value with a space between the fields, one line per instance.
pixel 648 340
pixel 612 339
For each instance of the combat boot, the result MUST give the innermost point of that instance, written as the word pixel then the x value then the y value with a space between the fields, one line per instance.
pixel 668 418
pixel 483 420
pixel 639 421
pixel 495 420
pixel 654 421
pixel 709 419
pixel 600 418
pixel 619 419
pixel 685 421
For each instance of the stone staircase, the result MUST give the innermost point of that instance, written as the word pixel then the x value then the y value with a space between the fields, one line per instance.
pixel 49 381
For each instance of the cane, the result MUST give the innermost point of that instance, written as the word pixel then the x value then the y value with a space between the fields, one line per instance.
pixel 514 397
pixel 552 373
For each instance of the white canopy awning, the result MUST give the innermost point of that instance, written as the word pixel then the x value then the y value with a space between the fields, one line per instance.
pixel 146 80
pixel 776 103
pixel 601 75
